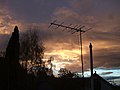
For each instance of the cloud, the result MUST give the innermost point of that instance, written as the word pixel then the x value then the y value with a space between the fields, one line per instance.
pixel 105 32
pixel 105 73
pixel 3 42
pixel 65 14
pixel 7 23
pixel 33 11
pixel 84 6
pixel 107 58
pixel 62 44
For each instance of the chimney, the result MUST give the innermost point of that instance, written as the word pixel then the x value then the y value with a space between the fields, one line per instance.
pixel 91 59
pixel 91 67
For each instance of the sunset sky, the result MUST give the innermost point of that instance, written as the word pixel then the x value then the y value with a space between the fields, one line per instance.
pixel 103 16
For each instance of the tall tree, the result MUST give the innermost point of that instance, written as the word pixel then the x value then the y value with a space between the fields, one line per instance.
pixel 12 58
pixel 31 48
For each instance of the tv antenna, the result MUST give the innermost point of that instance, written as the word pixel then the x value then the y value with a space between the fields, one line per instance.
pixel 72 30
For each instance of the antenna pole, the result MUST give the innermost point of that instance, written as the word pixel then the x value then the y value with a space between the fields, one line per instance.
pixel 81 53
pixel 73 30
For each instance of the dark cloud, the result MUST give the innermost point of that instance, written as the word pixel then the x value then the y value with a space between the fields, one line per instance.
pixel 105 37
pixel 102 16
pixel 108 59
pixel 113 79
pixel 33 10
pixel 105 73
pixel 2 3
pixel 74 67
pixel 83 6
pixel 3 42
pixel 105 58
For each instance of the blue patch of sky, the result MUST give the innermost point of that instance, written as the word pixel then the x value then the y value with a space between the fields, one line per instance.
pixel 104 72
pixel 112 74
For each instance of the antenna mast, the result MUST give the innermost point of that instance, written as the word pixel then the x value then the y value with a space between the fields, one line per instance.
pixel 77 28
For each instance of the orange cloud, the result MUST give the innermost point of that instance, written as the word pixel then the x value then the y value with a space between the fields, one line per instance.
pixel 7 22
pixel 64 47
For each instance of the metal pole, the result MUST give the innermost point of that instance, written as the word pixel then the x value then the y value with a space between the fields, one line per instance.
pixel 75 29
pixel 81 53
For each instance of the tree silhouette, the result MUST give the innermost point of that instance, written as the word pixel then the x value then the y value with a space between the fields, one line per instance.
pixel 12 58
pixel 64 73
pixel 31 48
pixel 49 66
pixel 2 53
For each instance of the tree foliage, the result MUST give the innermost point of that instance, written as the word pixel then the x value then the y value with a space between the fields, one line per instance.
pixel 31 48
pixel 64 73
pixel 2 53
